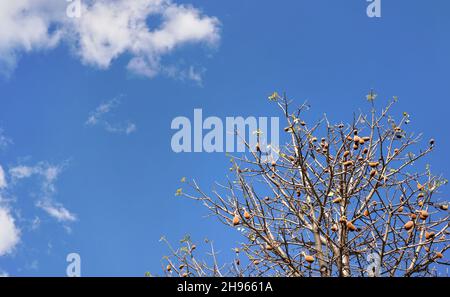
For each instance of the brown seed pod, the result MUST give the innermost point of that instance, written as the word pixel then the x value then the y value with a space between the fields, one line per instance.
pixel 350 226
pixel 423 214
pixel 269 247
pixel 193 247
pixel 256 262
pixel 346 153
pixel 314 139
pixel 337 200
pixel 309 259
pixel 348 163
pixel 349 138
pixel 334 228
pixel 274 164
pixel 343 219
pixel 360 158
pixel 181 266
pixel 420 203
pixel 366 138
pixel 396 151
pixel 236 220
pixel 421 195
pixel 361 141
pixel 429 235
pixel 355 146
pixel 413 216
pixel 373 172
pixel 374 164
pixel 400 209
pixel 356 139
pixel 439 255
pixel 366 213
pixel 247 215
pixel 409 225
pixel 169 267
pixel 238 262
pixel 303 123
pixel 444 207
pixel 258 148
pixel 365 151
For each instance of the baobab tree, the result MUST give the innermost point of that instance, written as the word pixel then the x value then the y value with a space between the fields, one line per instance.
pixel 341 200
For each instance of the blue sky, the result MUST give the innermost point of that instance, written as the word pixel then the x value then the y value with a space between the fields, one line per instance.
pixel 105 188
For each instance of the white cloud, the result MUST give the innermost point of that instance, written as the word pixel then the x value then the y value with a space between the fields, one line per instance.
pixel 57 211
pixel 100 117
pixel 4 141
pixel 3 183
pixel 105 31
pixel 48 174
pixel 9 233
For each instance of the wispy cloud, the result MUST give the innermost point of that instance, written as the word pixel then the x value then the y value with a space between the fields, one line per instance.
pixel 48 174
pixel 4 141
pixel 101 116
pixel 105 31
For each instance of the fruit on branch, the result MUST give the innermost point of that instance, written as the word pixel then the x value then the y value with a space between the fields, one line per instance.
pixel 439 255
pixel 421 195
pixel 169 267
pixel 334 228
pixel 346 153
pixel 181 266
pixel 309 259
pixel 236 220
pixel 374 164
pixel 355 146
pixel 420 203
pixel 366 138
pixel 423 214
pixel 429 235
pixel 348 163
pixel 444 206
pixel 400 209
pixel 365 151
pixel 409 225
pixel 373 172
pixel 413 216
pixel 247 215
pixel 350 226
pixel 269 247
pixel 337 200
pixel 258 148
pixel 361 141
pixel 366 213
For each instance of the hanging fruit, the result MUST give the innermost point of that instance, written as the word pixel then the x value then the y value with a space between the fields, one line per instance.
pixel 444 206
pixel 429 235
pixel 337 200
pixel 366 213
pixel 247 215
pixel 350 226
pixel 423 214
pixel 409 225
pixel 309 259
pixel 236 220
pixel 374 164
pixel 334 228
